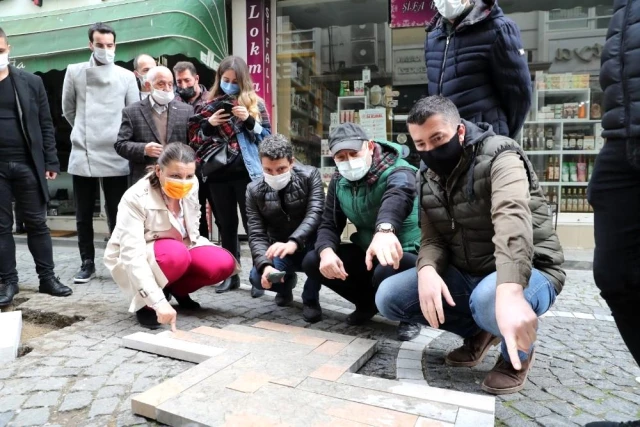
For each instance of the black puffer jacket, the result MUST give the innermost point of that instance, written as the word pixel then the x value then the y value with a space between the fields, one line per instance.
pixel 297 220
pixel 481 66
pixel 620 75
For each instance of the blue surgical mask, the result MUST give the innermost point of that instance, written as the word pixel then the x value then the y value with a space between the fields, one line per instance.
pixel 230 88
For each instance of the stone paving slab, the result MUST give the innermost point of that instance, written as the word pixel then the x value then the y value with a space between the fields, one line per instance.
pixel 285 375
pixel 10 332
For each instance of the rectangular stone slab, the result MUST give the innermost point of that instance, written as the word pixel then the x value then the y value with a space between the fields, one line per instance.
pixel 164 345
pixel 145 403
pixel 10 332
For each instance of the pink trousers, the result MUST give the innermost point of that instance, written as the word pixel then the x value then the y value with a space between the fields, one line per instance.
pixel 188 270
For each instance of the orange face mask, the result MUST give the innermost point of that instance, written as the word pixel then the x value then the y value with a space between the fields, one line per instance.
pixel 177 188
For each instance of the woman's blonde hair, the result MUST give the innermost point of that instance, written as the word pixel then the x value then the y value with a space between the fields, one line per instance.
pixel 247 97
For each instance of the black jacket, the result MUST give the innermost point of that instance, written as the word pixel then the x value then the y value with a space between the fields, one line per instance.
pixel 620 75
pixel 37 126
pixel 481 66
pixel 269 222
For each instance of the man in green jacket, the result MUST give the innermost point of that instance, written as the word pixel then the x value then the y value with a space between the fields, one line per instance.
pixel 375 189
pixel 489 261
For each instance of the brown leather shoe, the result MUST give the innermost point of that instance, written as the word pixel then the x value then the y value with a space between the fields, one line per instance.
pixel 472 351
pixel 503 379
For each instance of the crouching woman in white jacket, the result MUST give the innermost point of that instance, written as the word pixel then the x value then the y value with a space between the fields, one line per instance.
pixel 155 250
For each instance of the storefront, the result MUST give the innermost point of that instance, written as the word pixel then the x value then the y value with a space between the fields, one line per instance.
pixel 363 61
pixel 45 43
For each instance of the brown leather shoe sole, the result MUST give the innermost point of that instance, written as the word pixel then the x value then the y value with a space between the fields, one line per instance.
pixel 472 363
pixel 500 391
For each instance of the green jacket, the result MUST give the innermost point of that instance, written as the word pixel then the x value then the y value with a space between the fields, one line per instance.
pixel 360 201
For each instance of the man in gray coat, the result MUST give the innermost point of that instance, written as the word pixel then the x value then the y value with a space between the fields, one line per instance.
pixel 93 96
pixel 148 125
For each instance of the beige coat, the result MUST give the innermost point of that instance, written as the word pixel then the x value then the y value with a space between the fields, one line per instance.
pixel 143 218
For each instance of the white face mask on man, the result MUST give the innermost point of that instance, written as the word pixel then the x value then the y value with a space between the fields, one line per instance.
pixel 104 56
pixel 4 61
pixel 162 97
pixel 354 169
pixel 451 9
pixel 277 182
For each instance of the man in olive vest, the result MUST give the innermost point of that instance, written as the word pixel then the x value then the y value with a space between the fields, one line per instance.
pixel 375 189
pixel 489 261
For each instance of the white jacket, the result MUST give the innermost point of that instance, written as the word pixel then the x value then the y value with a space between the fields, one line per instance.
pixel 92 101
pixel 143 218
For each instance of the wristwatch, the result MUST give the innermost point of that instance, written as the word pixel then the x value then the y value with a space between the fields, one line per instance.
pixel 385 227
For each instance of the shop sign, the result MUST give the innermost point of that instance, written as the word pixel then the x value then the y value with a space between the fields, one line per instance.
pixel 409 65
pixel 575 55
pixel 374 123
pixel 585 54
pixel 259 48
pixel 411 13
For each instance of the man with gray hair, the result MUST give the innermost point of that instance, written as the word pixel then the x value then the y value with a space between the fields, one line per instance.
pixel 490 261
pixel 148 125
pixel 141 66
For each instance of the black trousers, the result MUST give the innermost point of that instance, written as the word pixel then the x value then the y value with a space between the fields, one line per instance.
pixel 204 197
pixel 225 198
pixel 361 285
pixel 19 181
pixel 614 193
pixel 85 194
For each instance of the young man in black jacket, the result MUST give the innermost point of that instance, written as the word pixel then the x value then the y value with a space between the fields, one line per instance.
pixel 284 208
pixel 375 189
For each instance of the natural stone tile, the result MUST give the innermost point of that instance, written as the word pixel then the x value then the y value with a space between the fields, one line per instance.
pixel 249 382
pixel 412 374
pixel 89 384
pixel 103 406
pixel 226 334
pixel 371 415
pixel 329 372
pixel 11 403
pixel 50 384
pixel 169 347
pixel 467 417
pixel 45 399
pixel 32 417
pixel 330 348
pixel 409 364
pixel 73 401
pixel 409 354
pixel 425 422
pixel 111 391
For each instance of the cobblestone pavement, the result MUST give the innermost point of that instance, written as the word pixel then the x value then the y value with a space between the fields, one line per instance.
pixel 80 375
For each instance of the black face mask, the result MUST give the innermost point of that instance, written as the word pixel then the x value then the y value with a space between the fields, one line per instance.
pixel 187 93
pixel 444 159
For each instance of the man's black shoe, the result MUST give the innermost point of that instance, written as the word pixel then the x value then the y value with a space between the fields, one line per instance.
pixel 312 313
pixel 54 287
pixel 284 299
pixel 256 292
pixel 358 317
pixel 187 303
pixel 147 318
pixel 86 273
pixel 408 331
pixel 229 284
pixel 7 292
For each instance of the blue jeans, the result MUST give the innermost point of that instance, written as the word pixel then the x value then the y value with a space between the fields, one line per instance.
pixel 475 298
pixel 289 264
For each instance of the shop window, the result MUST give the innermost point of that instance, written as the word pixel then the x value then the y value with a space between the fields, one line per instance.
pixel 569 19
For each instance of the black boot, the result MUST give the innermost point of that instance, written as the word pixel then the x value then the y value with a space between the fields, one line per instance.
pixel 186 302
pixel 312 312
pixel 230 284
pixel 360 316
pixel 407 331
pixel 147 318
pixel 54 287
pixel 7 292
pixel 86 273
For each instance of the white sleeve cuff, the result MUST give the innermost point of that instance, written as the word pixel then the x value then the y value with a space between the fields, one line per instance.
pixel 257 128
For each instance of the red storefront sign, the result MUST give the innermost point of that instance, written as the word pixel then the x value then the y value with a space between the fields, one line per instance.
pixel 259 48
pixel 411 13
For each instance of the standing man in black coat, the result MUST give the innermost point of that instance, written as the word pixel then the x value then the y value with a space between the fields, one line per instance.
pixel 475 57
pixel 614 189
pixel 284 209
pixel 27 160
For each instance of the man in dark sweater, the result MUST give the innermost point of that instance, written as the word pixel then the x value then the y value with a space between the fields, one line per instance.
pixel 28 160
pixel 375 189
pixel 284 208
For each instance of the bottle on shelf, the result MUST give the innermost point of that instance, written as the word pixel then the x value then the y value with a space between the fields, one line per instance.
pixel 582 169
pixel 548 173
pixel 580 141
pixel 574 200
pixel 540 144
pixel 549 138
pixel 573 171
pixel 590 169
pixel 556 169
pixel 565 142
pixel 563 200
pixel 565 171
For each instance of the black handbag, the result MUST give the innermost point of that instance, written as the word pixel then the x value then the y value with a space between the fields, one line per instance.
pixel 215 160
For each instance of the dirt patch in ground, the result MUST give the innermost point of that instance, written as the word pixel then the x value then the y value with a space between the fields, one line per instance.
pixel 32 330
